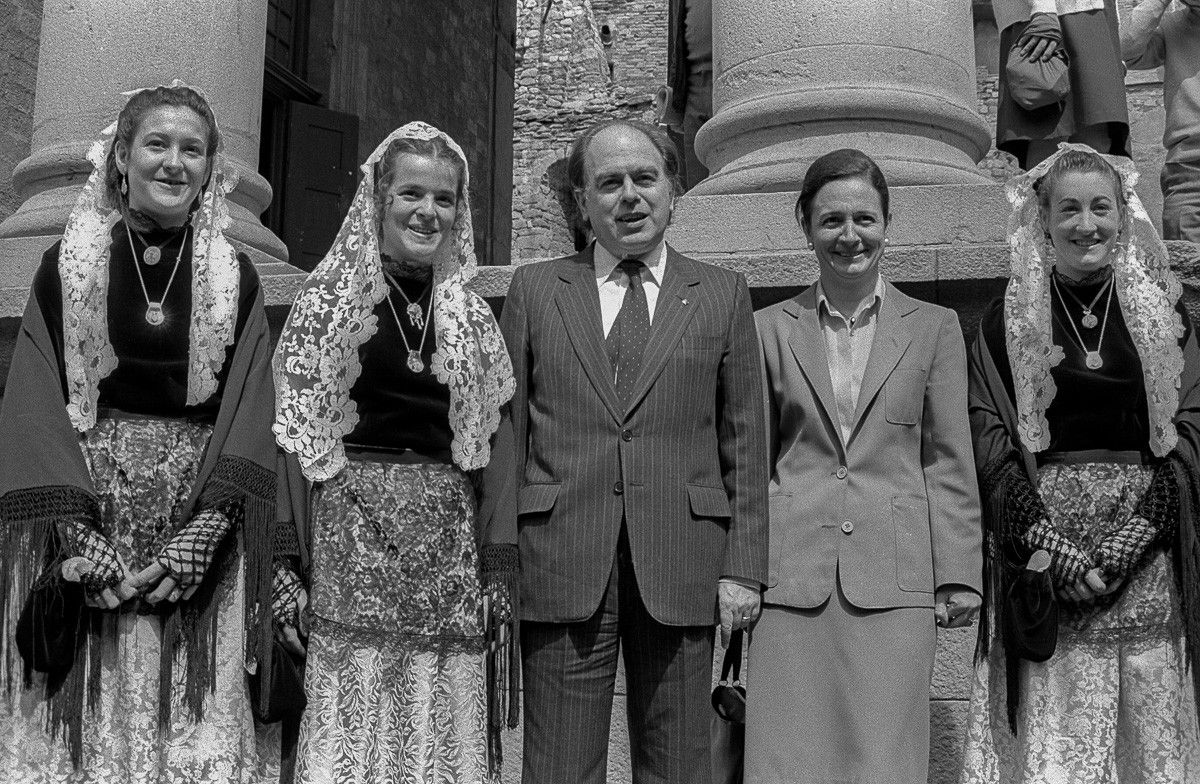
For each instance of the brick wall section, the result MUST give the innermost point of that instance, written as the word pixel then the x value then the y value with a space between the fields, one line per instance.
pixel 564 85
pixel 18 76
pixel 392 62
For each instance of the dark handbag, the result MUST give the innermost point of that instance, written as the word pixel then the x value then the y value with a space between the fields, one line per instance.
pixel 728 728
pixel 1035 84
pixel 284 696
pixel 51 626
pixel 1030 612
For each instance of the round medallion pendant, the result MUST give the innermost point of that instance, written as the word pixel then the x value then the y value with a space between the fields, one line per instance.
pixel 1093 360
pixel 414 361
pixel 1089 320
pixel 152 256
pixel 416 315
pixel 154 314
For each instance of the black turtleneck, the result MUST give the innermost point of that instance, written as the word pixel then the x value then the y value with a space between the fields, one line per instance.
pixel 397 408
pixel 152 361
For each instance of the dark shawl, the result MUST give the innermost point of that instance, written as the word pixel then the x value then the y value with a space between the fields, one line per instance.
pixel 44 479
pixel 994 433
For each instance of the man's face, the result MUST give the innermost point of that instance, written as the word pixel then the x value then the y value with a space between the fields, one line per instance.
pixel 627 194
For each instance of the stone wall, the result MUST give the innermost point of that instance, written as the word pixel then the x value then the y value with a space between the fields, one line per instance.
pixel 18 77
pixel 564 84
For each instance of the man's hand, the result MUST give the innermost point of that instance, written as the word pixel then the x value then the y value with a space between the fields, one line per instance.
pixel 956 606
pixel 738 607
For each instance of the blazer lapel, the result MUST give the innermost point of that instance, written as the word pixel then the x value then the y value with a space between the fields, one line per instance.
pixel 672 313
pixel 891 341
pixel 578 303
pixel 808 347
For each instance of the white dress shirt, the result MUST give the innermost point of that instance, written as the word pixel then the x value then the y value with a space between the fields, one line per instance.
pixel 847 347
pixel 613 283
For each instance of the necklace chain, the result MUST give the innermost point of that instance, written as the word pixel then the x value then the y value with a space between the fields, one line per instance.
pixel 1088 320
pixel 154 310
pixel 1090 358
pixel 413 360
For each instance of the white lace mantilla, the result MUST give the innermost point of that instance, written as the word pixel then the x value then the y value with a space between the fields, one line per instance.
pixel 316 362
pixel 83 268
pixel 1146 289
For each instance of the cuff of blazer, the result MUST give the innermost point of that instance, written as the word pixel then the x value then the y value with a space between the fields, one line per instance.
pixel 753 585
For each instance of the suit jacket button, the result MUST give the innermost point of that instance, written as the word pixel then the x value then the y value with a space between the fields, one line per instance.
pixel 626 435
pixel 618 488
pixel 841 472
pixel 847 527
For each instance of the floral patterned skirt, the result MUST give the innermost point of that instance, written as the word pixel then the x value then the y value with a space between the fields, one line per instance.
pixel 1115 704
pixel 395 675
pixel 143 471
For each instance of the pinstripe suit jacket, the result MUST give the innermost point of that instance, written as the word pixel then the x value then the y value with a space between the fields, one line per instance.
pixel 684 464
pixel 894 513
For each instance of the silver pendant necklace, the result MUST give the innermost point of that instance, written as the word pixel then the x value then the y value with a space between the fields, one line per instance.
pixel 154 310
pixel 1090 358
pixel 1088 319
pixel 413 361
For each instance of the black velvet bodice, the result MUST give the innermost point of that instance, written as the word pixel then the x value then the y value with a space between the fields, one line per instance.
pixel 397 408
pixel 152 361
pixel 1103 408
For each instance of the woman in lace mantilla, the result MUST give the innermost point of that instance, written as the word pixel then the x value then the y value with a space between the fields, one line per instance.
pixel 390 377
pixel 137 462
pixel 1085 410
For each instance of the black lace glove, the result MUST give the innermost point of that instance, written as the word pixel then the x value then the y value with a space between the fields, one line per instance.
pixel 286 594
pixel 190 552
pixel 1153 521
pixel 82 541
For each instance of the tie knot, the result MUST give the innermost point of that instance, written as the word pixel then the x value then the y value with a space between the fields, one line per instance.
pixel 633 268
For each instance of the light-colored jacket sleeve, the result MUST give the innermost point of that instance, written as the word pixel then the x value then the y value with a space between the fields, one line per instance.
pixel 1141 39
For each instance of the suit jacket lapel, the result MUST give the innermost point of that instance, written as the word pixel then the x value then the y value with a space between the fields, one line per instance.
pixel 672 313
pixel 578 303
pixel 808 347
pixel 891 341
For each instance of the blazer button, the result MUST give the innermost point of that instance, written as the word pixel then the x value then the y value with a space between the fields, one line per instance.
pixel 618 488
pixel 841 472
pixel 847 527
pixel 626 435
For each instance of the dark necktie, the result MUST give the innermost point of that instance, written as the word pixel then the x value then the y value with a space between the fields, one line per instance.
pixel 626 340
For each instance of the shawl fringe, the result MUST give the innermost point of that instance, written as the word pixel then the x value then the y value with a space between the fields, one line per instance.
pixel 502 575
pixel 30 552
pixel 1187 561
pixel 245 491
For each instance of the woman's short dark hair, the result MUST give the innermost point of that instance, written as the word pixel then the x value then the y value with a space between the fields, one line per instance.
pixel 840 165
pixel 130 119
pixel 385 171
pixel 576 158
pixel 1080 161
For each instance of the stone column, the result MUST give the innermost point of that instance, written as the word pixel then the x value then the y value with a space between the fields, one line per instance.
pixel 794 79
pixel 91 51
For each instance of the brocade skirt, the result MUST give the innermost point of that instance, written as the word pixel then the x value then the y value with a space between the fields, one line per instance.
pixel 396 673
pixel 1114 704
pixel 143 471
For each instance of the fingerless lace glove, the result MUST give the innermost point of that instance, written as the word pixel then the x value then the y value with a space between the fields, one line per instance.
pixel 190 552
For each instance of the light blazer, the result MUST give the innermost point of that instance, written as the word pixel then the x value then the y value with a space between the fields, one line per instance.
pixel 685 465
pixel 894 513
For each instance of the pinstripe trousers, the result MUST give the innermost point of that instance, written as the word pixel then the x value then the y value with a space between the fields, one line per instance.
pixel 569 674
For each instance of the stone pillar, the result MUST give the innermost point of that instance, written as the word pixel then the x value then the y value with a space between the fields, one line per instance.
pixel 91 51
pixel 794 79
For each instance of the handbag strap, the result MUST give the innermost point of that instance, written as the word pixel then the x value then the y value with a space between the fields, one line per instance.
pixel 732 663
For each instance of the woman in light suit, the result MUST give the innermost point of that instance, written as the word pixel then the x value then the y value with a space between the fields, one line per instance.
pixel 874 509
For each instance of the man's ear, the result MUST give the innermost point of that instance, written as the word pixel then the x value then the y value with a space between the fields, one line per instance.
pixel 581 205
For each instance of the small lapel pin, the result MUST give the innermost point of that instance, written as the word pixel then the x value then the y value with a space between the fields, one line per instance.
pixel 683 300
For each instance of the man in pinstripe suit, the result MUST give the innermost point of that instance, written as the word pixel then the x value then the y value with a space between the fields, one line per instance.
pixel 642 470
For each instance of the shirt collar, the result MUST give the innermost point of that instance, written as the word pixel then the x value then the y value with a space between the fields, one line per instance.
pixel 827 309
pixel 605 264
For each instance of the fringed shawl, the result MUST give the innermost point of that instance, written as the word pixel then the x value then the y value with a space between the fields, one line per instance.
pixel 44 478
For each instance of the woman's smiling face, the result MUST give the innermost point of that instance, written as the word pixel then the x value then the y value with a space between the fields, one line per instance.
pixel 418 217
pixel 166 164
pixel 848 229
pixel 1083 217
